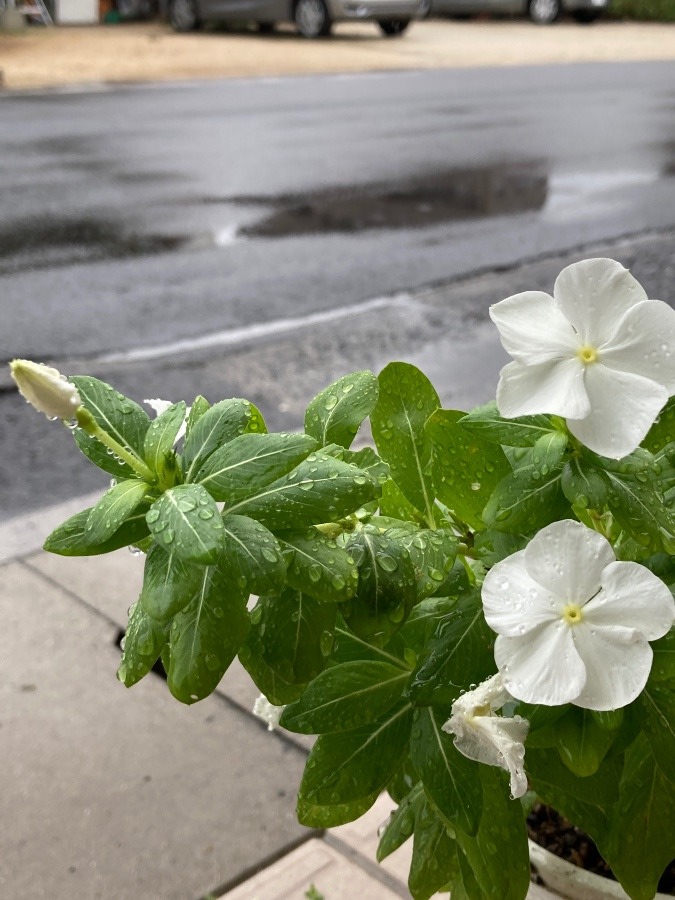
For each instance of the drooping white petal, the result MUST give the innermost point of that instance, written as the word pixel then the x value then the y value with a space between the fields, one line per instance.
pixel 532 328
pixel 594 294
pixel 542 666
pixel 512 602
pixel 644 343
pixel 490 693
pixel 568 559
pixel 552 387
pixel 268 712
pixel 632 597
pixel 623 409
pixel 617 660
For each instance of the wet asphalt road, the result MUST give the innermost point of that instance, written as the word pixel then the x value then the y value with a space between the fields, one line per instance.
pixel 205 237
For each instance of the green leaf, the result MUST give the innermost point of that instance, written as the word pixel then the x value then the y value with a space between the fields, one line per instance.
pixel 459 654
pixel 432 554
pixel 335 415
pixel 424 620
pixel 251 462
pixel 169 583
pixel 406 401
pixel 317 566
pixel 395 505
pixel 346 696
pixel 435 863
pixel 186 519
pixel 639 508
pixel 350 647
pixel 268 682
pixel 450 779
pixel 642 836
pixel 401 824
pixel 663 666
pixel 581 741
pixel 205 637
pixel 221 423
pixel 143 644
pixel 352 765
pixel 583 485
pixel 465 468
pixel 199 406
pixel 256 424
pixel 120 417
pixel 657 703
pixel 524 431
pixel 161 436
pixel 296 635
pixel 113 509
pixel 530 497
pixel 662 431
pixel 386 588
pixel 70 538
pixel 498 853
pixel 313 815
pixel 321 489
pixel 251 556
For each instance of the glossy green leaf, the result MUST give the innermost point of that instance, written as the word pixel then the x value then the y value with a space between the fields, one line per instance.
pixel 186 520
pixel 349 647
pixel 346 696
pixel 524 431
pixel 321 489
pixel 296 635
pixel 583 485
pixel 113 509
pixel 335 415
pixel 450 779
pixel 268 682
pixel 424 619
pixel 401 824
pixel 161 436
pixel 662 431
pixel 317 566
pixel 256 424
pixel 252 557
pixel 169 583
pixel 356 764
pixel 407 399
pixel 313 815
pixel 435 863
pixel 221 423
pixel 663 666
pixel 657 704
pixel 205 637
pixel 459 654
pixel 250 462
pixel 432 554
pixel 638 507
pixel 70 538
pixel 119 417
pixel 395 505
pixel 143 643
pixel 199 406
pixel 386 590
pixel 465 467
pixel 581 742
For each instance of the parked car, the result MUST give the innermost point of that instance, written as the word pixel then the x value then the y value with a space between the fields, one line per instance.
pixel 312 18
pixel 542 12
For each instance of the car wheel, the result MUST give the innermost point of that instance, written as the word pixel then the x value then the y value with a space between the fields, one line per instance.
pixel 544 12
pixel 312 19
pixel 183 15
pixel 393 27
pixel 586 16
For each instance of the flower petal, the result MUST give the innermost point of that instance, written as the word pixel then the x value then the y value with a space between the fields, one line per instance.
pixel 632 597
pixel 551 387
pixel 645 343
pixel 512 602
pixel 623 409
pixel 532 328
pixel 490 693
pixel 618 661
pixel 495 741
pixel 594 294
pixel 567 559
pixel 542 666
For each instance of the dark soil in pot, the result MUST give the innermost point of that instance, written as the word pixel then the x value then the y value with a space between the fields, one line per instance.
pixel 558 835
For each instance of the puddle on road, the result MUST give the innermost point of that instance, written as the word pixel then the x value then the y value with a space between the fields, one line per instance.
pixel 453 195
pixel 50 242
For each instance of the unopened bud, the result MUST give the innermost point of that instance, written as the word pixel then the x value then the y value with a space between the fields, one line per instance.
pixel 46 389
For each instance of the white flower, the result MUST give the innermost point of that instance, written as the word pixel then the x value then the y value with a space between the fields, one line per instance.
pixel 598 352
pixel 159 406
pixel 573 624
pixel 268 712
pixel 46 389
pixel 486 737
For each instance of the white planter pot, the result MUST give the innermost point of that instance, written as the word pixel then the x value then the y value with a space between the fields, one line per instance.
pixel 563 879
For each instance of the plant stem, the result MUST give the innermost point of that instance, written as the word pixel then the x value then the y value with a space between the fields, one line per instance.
pixel 89 424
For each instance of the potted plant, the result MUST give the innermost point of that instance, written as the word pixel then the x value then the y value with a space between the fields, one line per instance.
pixel 474 614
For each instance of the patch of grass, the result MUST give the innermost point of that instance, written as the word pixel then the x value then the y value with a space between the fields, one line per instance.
pixel 312 894
pixel 643 10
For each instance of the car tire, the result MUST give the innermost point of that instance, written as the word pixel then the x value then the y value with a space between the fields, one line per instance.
pixel 393 27
pixel 183 15
pixel 544 12
pixel 311 18
pixel 585 16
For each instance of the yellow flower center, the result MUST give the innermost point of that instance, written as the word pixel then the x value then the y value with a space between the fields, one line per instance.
pixel 572 614
pixel 587 354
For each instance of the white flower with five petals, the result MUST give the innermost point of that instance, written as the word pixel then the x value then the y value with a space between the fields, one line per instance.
pixel 573 623
pixel 482 735
pixel 598 353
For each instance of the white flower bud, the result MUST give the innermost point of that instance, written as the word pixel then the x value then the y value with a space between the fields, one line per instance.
pixel 45 389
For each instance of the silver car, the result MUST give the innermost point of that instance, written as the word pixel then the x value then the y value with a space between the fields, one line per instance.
pixel 543 12
pixel 312 18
